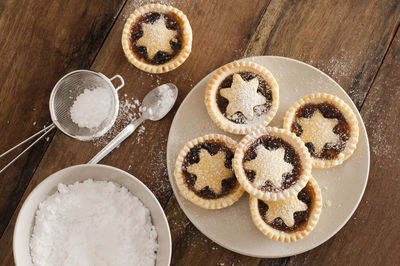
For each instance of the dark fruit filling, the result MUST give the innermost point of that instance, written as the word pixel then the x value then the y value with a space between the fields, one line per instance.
pixel 263 89
pixel 274 143
pixel 193 157
pixel 342 129
pixel 171 22
pixel 300 218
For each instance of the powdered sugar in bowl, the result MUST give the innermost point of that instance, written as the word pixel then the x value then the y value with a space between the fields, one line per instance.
pixel 26 217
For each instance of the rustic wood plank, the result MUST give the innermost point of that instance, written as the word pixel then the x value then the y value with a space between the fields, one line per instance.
pixel 339 59
pixel 268 39
pixel 210 50
pixel 189 243
pixel 371 236
pixel 345 39
pixel 343 63
pixel 35 51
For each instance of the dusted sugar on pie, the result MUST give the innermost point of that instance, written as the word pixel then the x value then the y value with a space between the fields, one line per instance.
pixel 290 219
pixel 157 38
pixel 242 96
pixel 327 126
pixel 203 172
pixel 272 164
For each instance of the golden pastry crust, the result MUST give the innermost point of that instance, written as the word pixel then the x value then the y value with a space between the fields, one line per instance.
pixel 189 194
pixel 211 97
pixel 347 112
pixel 278 194
pixel 186 39
pixel 297 234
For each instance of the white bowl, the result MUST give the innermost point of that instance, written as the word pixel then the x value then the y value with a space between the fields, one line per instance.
pixel 25 221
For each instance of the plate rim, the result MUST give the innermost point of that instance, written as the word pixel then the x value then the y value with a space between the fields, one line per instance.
pixel 354 108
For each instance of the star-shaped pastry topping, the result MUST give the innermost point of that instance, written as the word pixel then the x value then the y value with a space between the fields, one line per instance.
pixel 242 97
pixel 156 37
pixel 318 130
pixel 210 171
pixel 285 209
pixel 269 166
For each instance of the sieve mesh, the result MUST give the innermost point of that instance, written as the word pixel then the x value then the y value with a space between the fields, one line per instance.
pixel 65 93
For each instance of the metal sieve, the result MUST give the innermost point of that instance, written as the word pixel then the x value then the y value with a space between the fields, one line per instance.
pixel 64 93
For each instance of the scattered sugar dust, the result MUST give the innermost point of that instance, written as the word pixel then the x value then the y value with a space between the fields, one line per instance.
pixel 177 219
pixel 128 112
pixel 140 131
pixel 338 66
pixel 178 225
pixel 379 128
pixel 158 169
pixel 381 145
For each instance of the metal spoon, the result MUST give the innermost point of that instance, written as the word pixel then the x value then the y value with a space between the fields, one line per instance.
pixel 154 107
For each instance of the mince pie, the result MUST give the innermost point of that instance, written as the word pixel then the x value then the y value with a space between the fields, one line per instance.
pixel 272 164
pixel 242 96
pixel 203 172
pixel 291 219
pixel 327 126
pixel 157 38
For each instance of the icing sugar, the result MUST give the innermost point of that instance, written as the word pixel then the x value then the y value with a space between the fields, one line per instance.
pixel 285 210
pixel 91 108
pixel 242 96
pixel 210 171
pixel 318 130
pixel 156 37
pixel 269 166
pixel 93 223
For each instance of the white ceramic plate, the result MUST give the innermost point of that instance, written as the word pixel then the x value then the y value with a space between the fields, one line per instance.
pixel 25 220
pixel 342 186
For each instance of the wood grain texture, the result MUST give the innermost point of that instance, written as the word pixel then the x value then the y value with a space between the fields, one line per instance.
pixel 35 51
pixel 371 236
pixel 331 33
pixel 346 39
pixel 148 158
pixel 190 247
pixel 210 43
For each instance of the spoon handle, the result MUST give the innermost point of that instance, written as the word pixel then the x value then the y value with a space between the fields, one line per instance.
pixel 126 132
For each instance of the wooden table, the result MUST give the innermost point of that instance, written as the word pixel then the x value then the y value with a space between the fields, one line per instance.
pixel 356 42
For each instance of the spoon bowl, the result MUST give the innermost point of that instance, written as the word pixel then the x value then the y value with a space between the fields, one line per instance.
pixel 155 105
pixel 159 101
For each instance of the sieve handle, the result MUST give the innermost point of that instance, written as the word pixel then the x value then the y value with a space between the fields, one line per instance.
pixel 120 79
pixel 126 132
pixel 43 132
